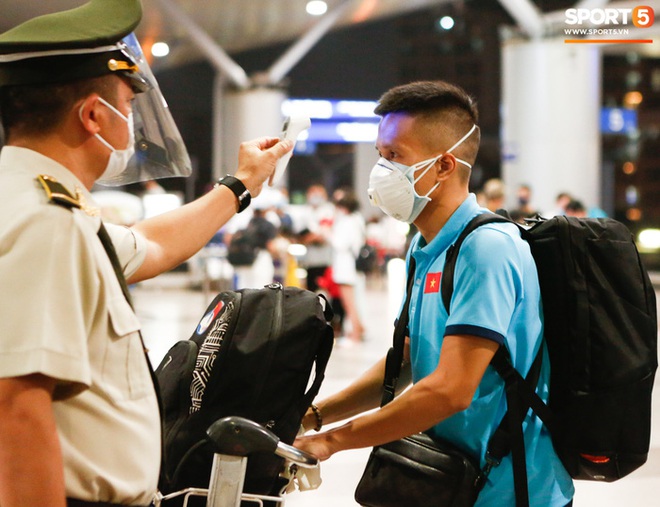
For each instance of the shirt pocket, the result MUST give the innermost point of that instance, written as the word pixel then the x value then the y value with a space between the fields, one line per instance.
pixel 125 372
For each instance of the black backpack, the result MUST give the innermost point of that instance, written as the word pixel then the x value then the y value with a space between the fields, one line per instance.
pixel 242 249
pixel 253 354
pixel 601 329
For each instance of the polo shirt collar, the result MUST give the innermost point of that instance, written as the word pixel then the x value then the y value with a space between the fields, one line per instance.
pixel 450 231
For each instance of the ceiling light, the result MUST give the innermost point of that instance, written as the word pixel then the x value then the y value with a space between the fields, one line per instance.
pixel 628 168
pixel 317 8
pixel 446 22
pixel 634 214
pixel 632 99
pixel 160 49
pixel 649 239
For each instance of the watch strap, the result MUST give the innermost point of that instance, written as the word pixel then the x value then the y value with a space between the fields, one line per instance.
pixel 239 189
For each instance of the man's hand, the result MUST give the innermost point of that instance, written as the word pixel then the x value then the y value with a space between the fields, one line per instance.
pixel 257 159
pixel 317 445
pixel 175 236
pixel 447 390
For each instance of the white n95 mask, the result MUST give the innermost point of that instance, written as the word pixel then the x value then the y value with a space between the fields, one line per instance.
pixel 118 160
pixel 392 185
pixel 391 189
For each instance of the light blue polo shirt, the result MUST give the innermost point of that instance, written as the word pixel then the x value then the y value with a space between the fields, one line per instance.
pixel 496 296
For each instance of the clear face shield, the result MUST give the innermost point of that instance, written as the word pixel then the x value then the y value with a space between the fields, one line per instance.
pixel 159 149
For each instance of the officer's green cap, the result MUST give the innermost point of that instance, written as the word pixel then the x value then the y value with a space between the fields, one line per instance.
pixel 80 43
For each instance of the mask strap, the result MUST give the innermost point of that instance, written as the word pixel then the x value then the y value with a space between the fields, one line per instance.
pixel 113 109
pixel 474 126
pixel 106 143
pixel 431 191
pixel 428 163
pixel 431 161
pixel 462 139
pixel 463 162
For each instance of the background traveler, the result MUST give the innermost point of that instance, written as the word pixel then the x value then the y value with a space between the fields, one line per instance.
pixel 315 235
pixel 348 236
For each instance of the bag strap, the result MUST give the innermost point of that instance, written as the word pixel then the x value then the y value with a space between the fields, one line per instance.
pixel 447 279
pixel 109 248
pixel 395 354
pixel 322 358
pixel 520 392
pixel 116 266
pixel 508 437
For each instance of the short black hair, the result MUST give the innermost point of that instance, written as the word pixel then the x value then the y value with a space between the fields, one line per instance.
pixel 348 200
pixel 447 109
pixel 575 206
pixel 39 108
pixel 427 97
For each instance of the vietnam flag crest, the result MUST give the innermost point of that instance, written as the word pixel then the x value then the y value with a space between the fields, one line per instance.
pixel 432 282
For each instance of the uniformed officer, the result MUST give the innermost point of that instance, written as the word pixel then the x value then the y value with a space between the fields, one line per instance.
pixel 80 423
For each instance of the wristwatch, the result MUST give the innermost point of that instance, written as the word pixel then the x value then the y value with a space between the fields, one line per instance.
pixel 236 186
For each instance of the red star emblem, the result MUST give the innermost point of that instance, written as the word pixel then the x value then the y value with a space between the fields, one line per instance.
pixel 432 282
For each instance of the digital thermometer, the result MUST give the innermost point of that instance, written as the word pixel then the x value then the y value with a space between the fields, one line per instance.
pixel 291 129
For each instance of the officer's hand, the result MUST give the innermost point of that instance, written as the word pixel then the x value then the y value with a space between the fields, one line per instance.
pixel 257 159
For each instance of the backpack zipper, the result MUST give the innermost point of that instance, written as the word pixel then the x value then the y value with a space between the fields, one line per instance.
pixel 276 328
pixel 278 310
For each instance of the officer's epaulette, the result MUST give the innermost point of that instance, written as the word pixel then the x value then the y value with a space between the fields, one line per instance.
pixel 58 193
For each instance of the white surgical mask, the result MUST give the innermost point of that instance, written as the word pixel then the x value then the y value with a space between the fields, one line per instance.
pixel 392 185
pixel 316 200
pixel 118 158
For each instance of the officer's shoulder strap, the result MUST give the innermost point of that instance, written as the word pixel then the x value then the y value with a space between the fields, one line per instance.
pixel 58 193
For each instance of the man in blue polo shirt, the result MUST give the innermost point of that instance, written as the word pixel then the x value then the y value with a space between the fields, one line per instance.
pixel 427 140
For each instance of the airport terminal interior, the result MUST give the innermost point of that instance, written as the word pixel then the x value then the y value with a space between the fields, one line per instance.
pixel 170 310
pixel 560 111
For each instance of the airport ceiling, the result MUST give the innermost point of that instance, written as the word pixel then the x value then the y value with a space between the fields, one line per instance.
pixel 236 25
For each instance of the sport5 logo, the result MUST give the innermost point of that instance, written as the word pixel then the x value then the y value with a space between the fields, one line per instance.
pixel 641 16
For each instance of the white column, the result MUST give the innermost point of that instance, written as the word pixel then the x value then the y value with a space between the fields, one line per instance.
pixel 218 164
pixel 550 120
pixel 364 159
pixel 248 114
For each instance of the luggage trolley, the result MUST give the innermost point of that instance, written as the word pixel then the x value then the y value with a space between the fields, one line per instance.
pixel 234 439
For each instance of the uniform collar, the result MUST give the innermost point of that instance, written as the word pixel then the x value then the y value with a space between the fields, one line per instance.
pixel 35 163
pixel 450 231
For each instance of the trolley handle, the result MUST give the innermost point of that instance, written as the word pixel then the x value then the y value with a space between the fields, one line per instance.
pixel 297 456
pixel 238 436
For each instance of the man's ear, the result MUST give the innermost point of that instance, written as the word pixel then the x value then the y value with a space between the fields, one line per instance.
pixel 88 111
pixel 445 166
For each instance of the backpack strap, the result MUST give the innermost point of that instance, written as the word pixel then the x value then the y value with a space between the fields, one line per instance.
pixel 520 392
pixel 502 360
pixel 447 279
pixel 508 437
pixel 322 358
